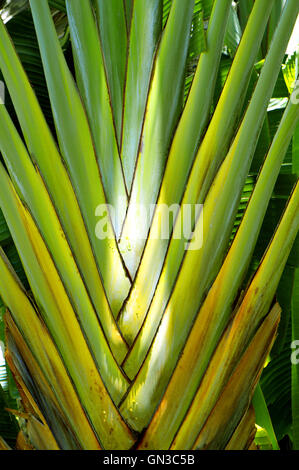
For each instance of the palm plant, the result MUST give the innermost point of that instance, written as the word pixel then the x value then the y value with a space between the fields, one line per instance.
pixel 122 340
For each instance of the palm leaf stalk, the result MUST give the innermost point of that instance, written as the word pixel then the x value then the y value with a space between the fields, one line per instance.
pixel 196 271
pixel 128 340
pixel 211 150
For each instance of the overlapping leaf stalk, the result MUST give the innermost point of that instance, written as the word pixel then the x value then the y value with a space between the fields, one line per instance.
pixel 126 341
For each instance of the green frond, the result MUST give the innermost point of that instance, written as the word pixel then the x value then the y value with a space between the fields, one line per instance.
pixel 116 333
